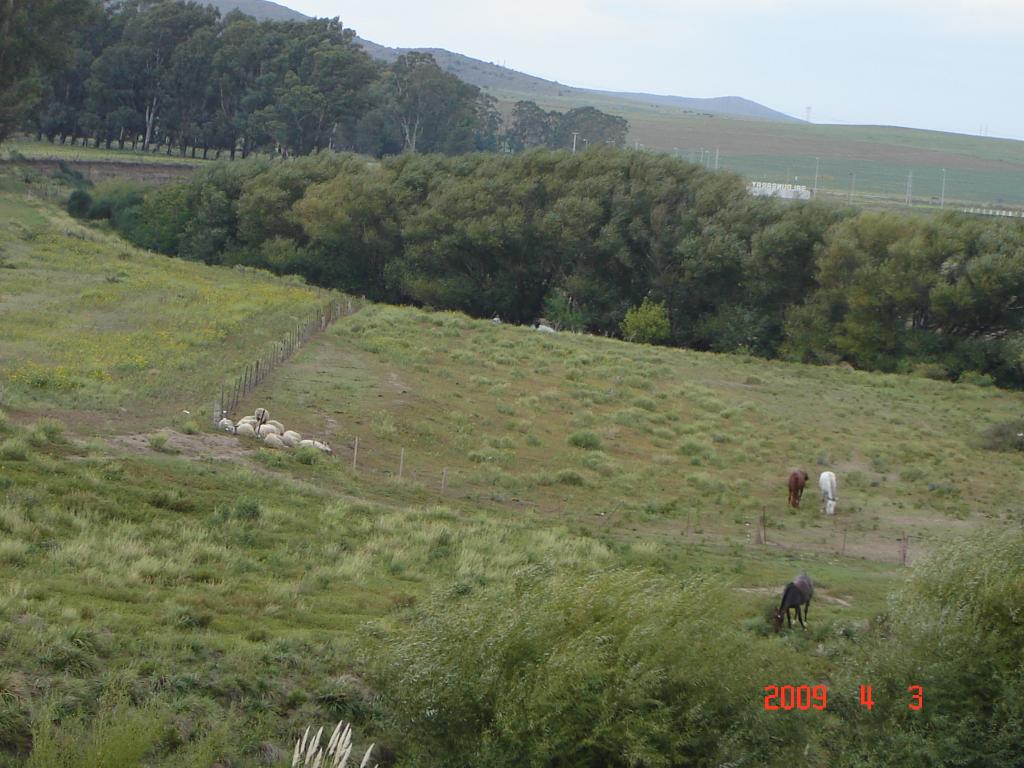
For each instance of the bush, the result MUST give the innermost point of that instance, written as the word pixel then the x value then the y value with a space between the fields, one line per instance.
pixel 14 449
pixel 585 439
pixel 1004 436
pixel 621 668
pixel 954 630
pixel 647 324
pixel 79 203
pixel 976 378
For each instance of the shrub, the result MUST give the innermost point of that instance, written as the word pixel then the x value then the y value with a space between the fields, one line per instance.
pixel 1004 436
pixel 79 203
pixel 585 439
pixel 247 509
pixel 955 630
pixel 14 449
pixel 570 477
pixel 158 442
pixel 307 454
pixel 621 668
pixel 647 324
pixel 976 378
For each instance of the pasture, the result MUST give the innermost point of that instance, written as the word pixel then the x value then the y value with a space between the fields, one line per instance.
pixel 96 330
pixel 980 171
pixel 178 596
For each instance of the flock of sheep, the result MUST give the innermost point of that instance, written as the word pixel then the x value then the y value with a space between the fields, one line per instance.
pixel 272 433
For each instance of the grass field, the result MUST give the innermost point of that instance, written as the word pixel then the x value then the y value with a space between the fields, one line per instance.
pixel 177 596
pixel 44 150
pixel 980 171
pixel 96 329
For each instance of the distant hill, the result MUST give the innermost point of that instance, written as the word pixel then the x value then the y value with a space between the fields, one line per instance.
pixel 259 9
pixel 510 85
pixel 755 141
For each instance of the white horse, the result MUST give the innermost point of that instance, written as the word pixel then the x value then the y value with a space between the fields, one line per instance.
pixel 827 484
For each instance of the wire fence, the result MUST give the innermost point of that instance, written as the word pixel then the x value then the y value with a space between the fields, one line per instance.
pixel 254 373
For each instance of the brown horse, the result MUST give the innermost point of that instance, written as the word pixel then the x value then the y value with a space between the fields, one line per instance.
pixel 797 593
pixel 797 481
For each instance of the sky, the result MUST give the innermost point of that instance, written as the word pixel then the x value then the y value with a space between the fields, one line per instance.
pixel 948 65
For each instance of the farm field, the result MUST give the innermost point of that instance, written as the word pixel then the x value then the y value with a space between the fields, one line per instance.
pixel 176 595
pixel 980 171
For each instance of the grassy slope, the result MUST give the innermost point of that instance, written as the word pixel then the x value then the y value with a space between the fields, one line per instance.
pixel 231 585
pixel 95 329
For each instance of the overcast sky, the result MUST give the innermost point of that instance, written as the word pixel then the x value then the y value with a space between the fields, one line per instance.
pixel 952 65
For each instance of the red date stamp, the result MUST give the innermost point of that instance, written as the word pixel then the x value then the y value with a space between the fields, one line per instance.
pixel 805 697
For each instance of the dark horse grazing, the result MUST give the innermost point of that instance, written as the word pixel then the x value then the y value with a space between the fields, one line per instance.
pixel 797 481
pixel 798 592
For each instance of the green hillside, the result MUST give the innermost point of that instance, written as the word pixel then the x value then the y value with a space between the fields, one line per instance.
pixel 765 145
pixel 547 546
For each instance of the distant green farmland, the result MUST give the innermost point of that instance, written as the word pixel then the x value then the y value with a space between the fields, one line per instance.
pixel 980 171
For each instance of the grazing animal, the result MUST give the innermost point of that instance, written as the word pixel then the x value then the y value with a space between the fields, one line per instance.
pixel 291 438
pixel 827 484
pixel 267 429
pixel 262 416
pixel 273 441
pixel 227 425
pixel 797 481
pixel 797 593
pixel 245 428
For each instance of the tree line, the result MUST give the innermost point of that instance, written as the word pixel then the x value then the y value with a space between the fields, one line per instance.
pixel 612 242
pixel 175 75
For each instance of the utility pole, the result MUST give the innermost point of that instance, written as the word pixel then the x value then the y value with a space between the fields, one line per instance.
pixel 942 198
pixel 814 192
pixel 574 135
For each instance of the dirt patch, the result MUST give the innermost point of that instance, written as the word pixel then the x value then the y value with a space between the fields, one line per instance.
pixel 202 445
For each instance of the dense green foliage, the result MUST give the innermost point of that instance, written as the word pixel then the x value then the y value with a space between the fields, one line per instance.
pixel 955 630
pixel 617 668
pixel 584 239
pixel 584 592
pixel 173 73
pixel 34 39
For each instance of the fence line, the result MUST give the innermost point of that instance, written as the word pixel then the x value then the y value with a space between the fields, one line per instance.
pixel 254 373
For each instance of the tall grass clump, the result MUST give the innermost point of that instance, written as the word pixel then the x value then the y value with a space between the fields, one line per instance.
pixel 621 668
pixel 954 629
pixel 585 439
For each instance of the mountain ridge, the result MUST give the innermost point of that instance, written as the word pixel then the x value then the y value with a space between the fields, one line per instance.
pixel 510 84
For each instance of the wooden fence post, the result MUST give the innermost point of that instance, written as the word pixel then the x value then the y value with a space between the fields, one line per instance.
pixel 355 454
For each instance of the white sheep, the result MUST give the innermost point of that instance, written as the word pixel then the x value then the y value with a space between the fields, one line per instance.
pixel 291 438
pixel 245 428
pixel 273 441
pixel 315 444
pixel 227 425
pixel 278 424
pixel 248 420
pixel 267 429
pixel 262 415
